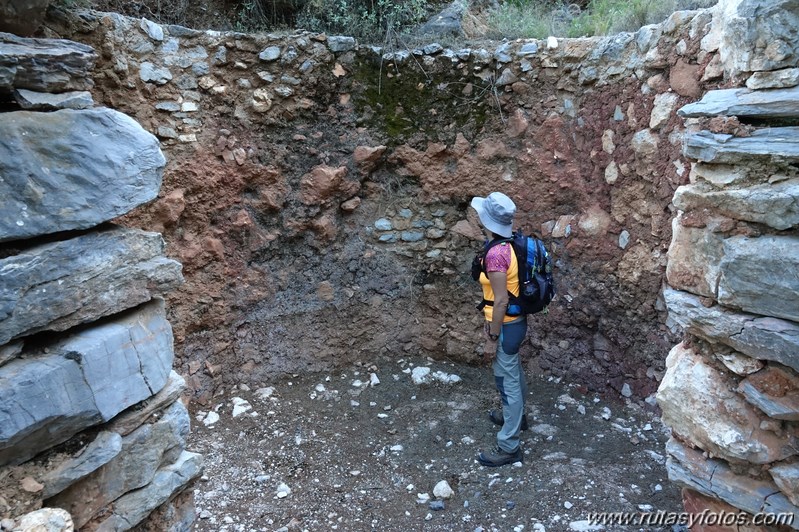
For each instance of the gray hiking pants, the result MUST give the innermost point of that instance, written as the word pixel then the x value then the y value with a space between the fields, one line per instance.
pixel 510 381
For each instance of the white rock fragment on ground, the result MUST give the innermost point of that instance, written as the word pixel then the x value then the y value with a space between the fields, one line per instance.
pixel 410 487
pixel 265 393
pixel 567 505
pixel 606 413
pixel 443 490
pixel 422 498
pixel 320 387
pixel 373 380
pixel 397 448
pixel 566 399
pixel 421 375
pixel 445 378
pixel 210 419
pixel 467 440
pixel 240 406
pixel 626 391
pixel 283 491
pixel 657 457
pixel 544 429
pixel 581 409
pixel 538 527
pixel 357 383
pixel 551 457
pixel 584 526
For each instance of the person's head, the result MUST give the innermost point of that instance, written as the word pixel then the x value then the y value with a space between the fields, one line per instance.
pixel 496 213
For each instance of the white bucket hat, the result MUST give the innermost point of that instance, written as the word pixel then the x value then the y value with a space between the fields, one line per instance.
pixel 496 213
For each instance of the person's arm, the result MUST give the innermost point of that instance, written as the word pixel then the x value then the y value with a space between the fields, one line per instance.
pixel 499 286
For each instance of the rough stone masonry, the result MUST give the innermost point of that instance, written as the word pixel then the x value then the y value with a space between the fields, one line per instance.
pixel 731 390
pixel 92 431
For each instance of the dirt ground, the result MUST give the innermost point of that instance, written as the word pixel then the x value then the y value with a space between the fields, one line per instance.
pixel 340 451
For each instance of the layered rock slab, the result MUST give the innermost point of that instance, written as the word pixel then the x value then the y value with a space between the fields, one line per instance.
pixel 774 103
pixel 83 380
pixel 45 65
pixel 142 453
pixel 779 144
pixel 73 169
pixel 759 337
pixel 132 508
pixel 62 284
pixel 776 205
pixel 714 478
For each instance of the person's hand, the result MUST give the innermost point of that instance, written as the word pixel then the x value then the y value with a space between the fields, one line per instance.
pixel 489 349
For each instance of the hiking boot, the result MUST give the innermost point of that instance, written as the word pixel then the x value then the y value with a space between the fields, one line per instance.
pixel 496 417
pixel 497 457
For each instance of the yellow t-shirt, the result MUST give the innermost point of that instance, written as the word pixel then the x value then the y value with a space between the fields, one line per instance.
pixel 512 282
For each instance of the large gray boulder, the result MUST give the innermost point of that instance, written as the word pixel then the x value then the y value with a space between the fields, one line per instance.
pixel 776 205
pixel 755 336
pixel 45 65
pixel 142 453
pixel 779 144
pixel 73 170
pixel 758 35
pixel 695 399
pixel 775 103
pixel 62 284
pixel 85 379
pixel 22 17
pixel 759 275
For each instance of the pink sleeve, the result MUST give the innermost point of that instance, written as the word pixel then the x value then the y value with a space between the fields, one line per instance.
pixel 498 258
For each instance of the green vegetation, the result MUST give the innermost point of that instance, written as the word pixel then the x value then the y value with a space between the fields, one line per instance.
pixel 388 22
pixel 367 20
pixel 363 19
pixel 541 18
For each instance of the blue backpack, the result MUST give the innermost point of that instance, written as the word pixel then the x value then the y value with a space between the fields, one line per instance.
pixel 536 283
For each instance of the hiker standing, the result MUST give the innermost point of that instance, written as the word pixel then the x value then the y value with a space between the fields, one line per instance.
pixel 498 270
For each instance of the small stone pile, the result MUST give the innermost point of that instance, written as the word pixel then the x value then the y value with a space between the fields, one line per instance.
pixel 731 390
pixel 90 420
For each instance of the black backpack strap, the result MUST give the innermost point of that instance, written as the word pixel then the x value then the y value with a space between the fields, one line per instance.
pixel 540 258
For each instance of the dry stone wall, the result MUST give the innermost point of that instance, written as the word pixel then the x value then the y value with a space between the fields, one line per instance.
pixel 317 189
pixel 731 390
pixel 92 434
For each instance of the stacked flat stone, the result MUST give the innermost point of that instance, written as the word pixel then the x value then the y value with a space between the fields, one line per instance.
pixel 732 389
pixel 86 351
